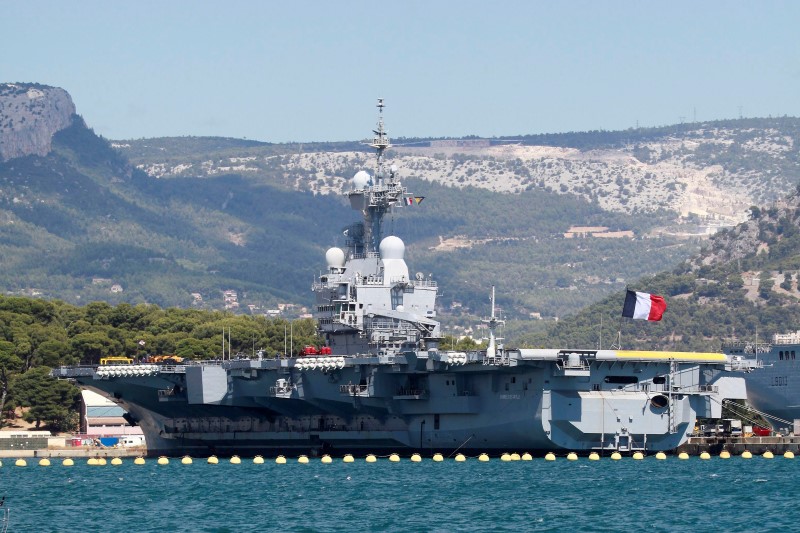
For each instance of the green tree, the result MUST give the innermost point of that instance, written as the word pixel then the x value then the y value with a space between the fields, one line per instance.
pixel 50 400
pixel 10 365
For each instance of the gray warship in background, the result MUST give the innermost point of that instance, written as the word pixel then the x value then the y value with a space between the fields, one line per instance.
pixel 386 384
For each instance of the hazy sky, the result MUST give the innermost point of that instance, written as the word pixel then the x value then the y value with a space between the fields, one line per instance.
pixel 297 70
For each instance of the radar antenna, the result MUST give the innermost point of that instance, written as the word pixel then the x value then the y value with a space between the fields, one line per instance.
pixel 491 350
pixel 376 198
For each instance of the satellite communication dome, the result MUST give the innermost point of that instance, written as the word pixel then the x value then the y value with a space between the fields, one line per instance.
pixel 392 248
pixel 361 179
pixel 335 257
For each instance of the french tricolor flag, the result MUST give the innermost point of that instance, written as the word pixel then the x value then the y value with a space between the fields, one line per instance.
pixel 643 306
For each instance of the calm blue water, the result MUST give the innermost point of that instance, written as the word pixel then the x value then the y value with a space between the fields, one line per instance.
pixel 672 495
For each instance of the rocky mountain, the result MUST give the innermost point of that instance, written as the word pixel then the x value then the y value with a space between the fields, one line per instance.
pixel 30 114
pixel 708 173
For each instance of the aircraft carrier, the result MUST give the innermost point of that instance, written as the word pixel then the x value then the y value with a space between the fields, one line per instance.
pixel 384 383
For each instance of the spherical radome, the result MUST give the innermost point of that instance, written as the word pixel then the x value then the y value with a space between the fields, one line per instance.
pixel 361 179
pixel 392 248
pixel 334 257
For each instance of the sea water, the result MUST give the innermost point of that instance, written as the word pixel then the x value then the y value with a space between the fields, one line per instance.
pixel 627 495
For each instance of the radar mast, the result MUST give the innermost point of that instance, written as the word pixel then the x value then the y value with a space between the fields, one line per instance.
pixel 491 350
pixel 377 197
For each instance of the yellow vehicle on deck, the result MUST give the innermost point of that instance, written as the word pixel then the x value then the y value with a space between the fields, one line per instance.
pixel 116 361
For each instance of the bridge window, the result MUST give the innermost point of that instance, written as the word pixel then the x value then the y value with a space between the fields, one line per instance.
pixel 780 355
pixel 659 380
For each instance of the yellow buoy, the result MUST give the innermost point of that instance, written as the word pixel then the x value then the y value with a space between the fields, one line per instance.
pixel 550 456
pixel 527 457
pixel 768 455
pixel 258 460
pixel 102 461
pixel 572 456
pixel 724 454
pixel 705 456
pixel 20 462
pixel 326 459
pixel 116 461
pixel 438 457
pixel 460 458
pixel 515 456
pixel 394 458
pixel 163 460
pixel 186 460
pixel 747 455
pixel 371 458
pixel 68 462
pixel 44 462
pixel 483 458
pixel 638 456
pixel 303 460
pixel 661 456
pixel 349 458
pixel 212 460
pixel 594 456
pixel 788 455
pixel 505 457
pixel 236 460
pixel 280 460
pixel 683 455
pixel 416 458
pixel 139 461
pixel 1 463
pixel 616 456
pixel 92 461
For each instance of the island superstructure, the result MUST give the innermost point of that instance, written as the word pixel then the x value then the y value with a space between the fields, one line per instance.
pixel 384 383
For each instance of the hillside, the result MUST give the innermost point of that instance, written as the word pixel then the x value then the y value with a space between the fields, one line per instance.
pixel 743 284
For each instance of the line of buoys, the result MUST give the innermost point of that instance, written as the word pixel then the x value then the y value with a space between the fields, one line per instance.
pixel 395 458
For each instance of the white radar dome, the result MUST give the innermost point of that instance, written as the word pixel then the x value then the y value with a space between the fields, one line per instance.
pixel 361 179
pixel 392 248
pixel 335 257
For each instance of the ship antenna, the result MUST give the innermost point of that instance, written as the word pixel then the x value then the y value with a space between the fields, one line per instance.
pixel 491 350
pixel 381 140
